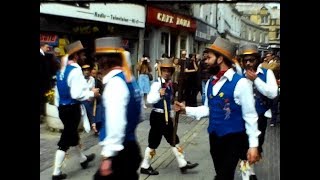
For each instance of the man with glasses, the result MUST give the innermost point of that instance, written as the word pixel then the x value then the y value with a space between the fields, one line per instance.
pixel 264 85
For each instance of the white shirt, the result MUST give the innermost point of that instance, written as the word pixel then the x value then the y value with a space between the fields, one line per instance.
pixel 243 96
pixel 41 51
pixel 78 86
pixel 115 98
pixel 91 82
pixel 154 94
pixel 268 88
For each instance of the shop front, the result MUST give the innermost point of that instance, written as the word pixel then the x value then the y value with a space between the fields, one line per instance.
pixel 168 33
pixel 61 24
pixel 68 23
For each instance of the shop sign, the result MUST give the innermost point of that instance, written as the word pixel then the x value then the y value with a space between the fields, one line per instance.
pixel 160 17
pixel 123 13
pixel 85 29
pixel 51 39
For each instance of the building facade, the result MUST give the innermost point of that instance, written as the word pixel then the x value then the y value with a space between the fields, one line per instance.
pixel 266 15
pixel 167 32
pixel 70 22
pixel 206 17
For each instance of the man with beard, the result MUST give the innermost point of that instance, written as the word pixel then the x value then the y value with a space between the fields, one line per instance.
pixel 233 129
pixel 71 89
pixel 264 86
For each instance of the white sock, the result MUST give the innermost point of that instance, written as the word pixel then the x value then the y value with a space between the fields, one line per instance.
pixel 147 158
pixel 58 162
pixel 179 156
pixel 80 154
pixel 252 170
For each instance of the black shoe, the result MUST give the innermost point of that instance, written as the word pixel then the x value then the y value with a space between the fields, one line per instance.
pixel 90 157
pixel 58 177
pixel 253 177
pixel 149 171
pixel 188 166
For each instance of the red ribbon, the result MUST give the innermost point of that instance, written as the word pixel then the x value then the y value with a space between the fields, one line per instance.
pixel 219 75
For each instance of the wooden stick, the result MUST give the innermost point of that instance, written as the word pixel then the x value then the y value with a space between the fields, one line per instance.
pixel 94 107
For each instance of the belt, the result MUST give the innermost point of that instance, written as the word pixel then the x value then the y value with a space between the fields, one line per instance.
pixel 69 104
pixel 158 110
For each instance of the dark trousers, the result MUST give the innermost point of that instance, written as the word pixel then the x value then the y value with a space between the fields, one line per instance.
pixel 42 103
pixel 159 129
pixel 226 152
pixel 182 86
pixel 89 109
pixel 262 126
pixel 125 164
pixel 70 116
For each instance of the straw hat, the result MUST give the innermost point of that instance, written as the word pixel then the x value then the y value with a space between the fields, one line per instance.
pixel 248 49
pixel 224 47
pixel 108 45
pixel 86 66
pixel 74 47
pixel 166 63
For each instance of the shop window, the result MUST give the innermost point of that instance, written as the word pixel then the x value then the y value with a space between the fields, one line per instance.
pixel 183 42
pixel 264 19
pixel 164 41
pixel 278 33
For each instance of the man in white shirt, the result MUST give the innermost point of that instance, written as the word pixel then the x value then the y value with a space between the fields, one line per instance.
pixel 121 100
pixel 160 96
pixel 89 105
pixel 71 89
pixel 264 83
pixel 233 130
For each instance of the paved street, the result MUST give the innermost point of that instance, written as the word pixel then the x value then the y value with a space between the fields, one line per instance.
pixel 194 139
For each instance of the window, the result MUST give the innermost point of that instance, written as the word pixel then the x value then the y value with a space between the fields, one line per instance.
pixel 164 42
pixel 183 42
pixel 254 36
pixel 201 11
pixel 278 33
pixel 264 19
pixel 249 35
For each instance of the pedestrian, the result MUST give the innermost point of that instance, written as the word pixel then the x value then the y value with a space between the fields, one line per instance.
pixel 204 75
pixel 264 87
pixel 90 81
pixel 229 103
pixel 71 89
pixel 144 70
pixel 161 124
pixel 47 71
pixel 98 113
pixel 121 100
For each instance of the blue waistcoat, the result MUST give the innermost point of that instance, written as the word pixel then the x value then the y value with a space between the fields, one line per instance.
pixel 63 88
pixel 167 96
pixel 262 102
pixel 225 116
pixel 133 111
